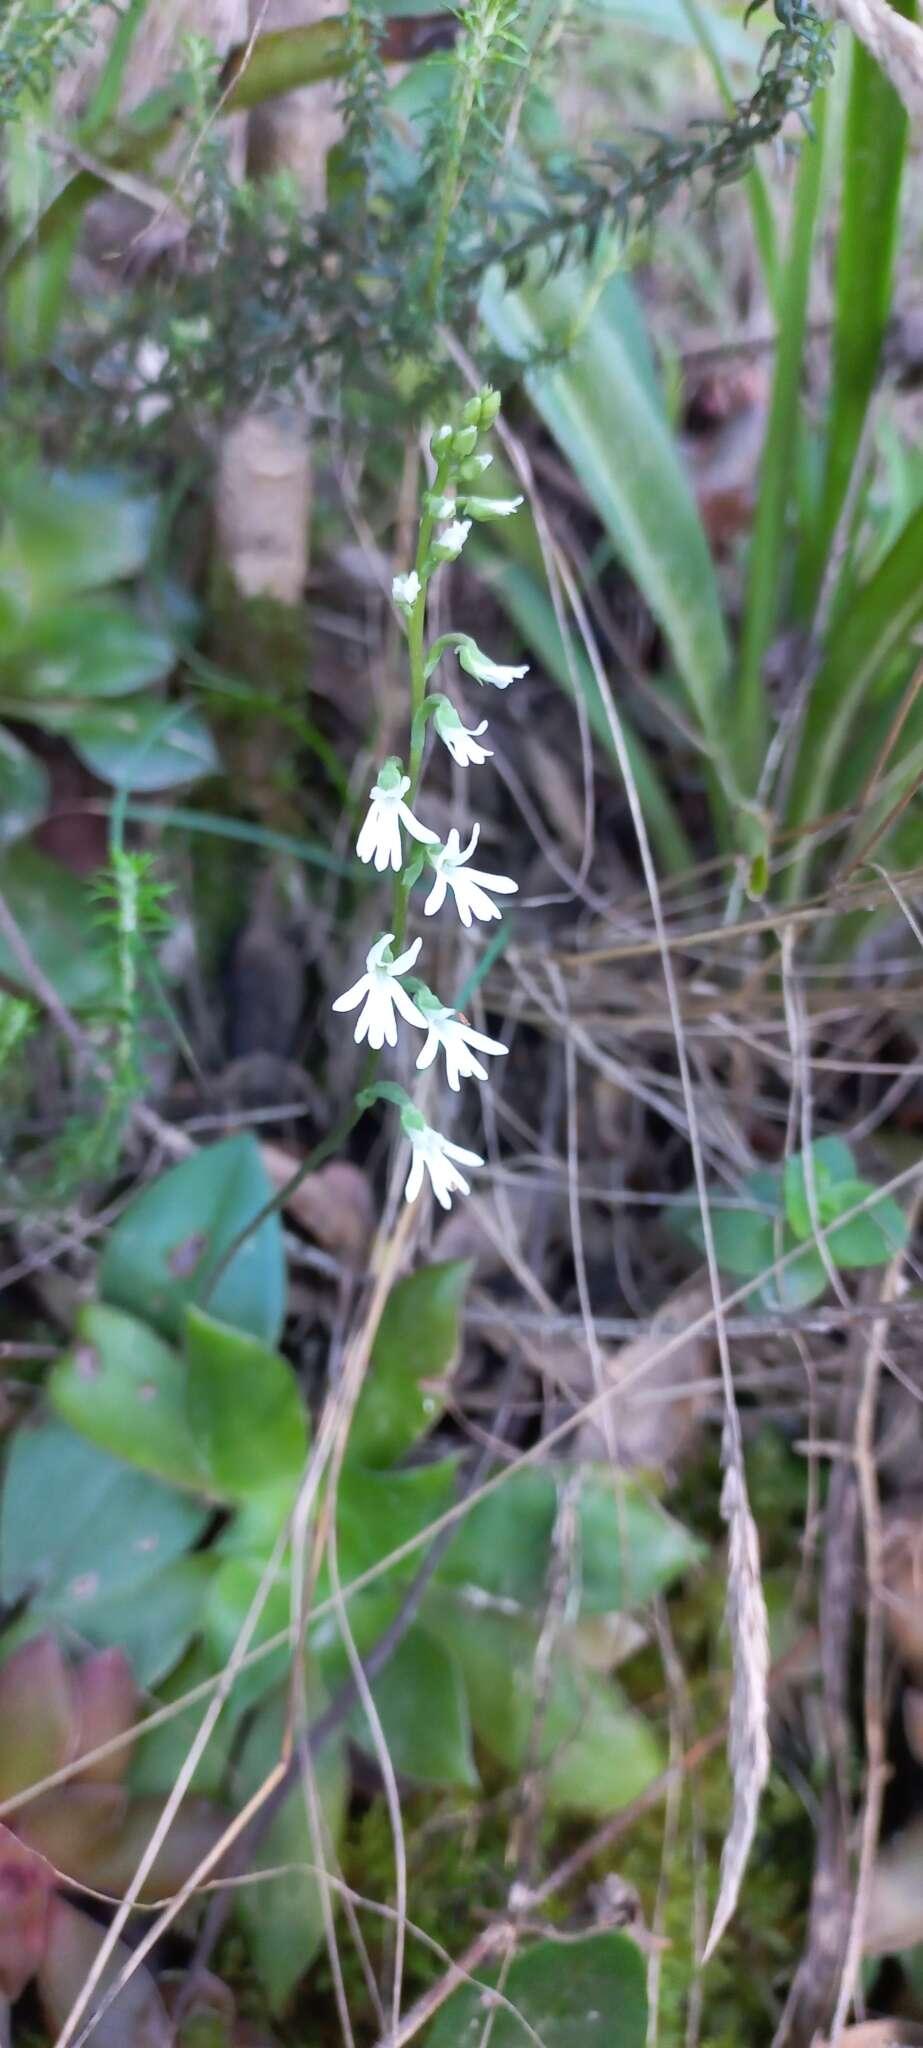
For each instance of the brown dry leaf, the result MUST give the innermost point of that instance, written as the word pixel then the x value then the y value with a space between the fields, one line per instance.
pixel 902 1583
pixel 334 1205
pixel 880 2034
pixel 653 1431
pixel 748 1739
pixel 477 1230
pixel 894 1918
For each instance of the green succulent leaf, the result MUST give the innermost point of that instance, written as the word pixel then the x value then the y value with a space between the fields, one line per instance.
pixel 112 1532
pixel 58 913
pixel 417 1340
pixel 628 1548
pixel 589 1993
pixel 23 788
pixel 419 1697
pixel 63 535
pixel 161 1256
pixel 143 746
pixel 125 1389
pixel 88 650
pixel 595 1752
pixel 248 1419
pixel 283 1917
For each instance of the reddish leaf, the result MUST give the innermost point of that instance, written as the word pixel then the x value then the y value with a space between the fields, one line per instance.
pixel 107 1705
pixel 136 2015
pixel 38 1730
pixel 25 1889
pixel 72 1826
pixel 195 1830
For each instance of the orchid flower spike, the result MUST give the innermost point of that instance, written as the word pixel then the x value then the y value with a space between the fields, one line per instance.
pixel 480 666
pixel 461 740
pixel 384 993
pixel 433 1154
pixel 469 886
pixel 447 1030
pixel 380 837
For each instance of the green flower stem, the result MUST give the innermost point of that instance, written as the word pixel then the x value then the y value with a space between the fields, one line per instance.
pixel 416 655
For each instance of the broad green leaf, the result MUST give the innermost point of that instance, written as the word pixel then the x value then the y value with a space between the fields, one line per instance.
pixel 162 1254
pixel 77 1526
pixel 57 916
pixel 870 1239
pixel 88 650
pixel 802 1281
pixel 596 1753
pixel 230 1597
pixel 628 1547
pixel 833 1166
pixel 282 1918
pixel 414 1350
pixel 247 1415
pixel 153 1628
pixel 873 1238
pixel 587 1993
pixel 377 1512
pixel 23 788
pixel 125 1389
pixel 162 1751
pixel 744 1239
pixel 631 472
pixel 419 1697
pixel 148 745
pixel 63 535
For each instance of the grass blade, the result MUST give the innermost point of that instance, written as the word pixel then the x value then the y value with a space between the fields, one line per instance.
pixel 875 145
pixel 764 578
pixel 600 409
pixel 875 627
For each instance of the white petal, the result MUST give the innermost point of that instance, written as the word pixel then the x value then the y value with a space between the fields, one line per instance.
pixel 368 837
pixel 404 1002
pixel 458 1152
pixel 501 885
pixel 414 827
pixel 414 1177
pixel 436 897
pixel 352 996
pixel 405 960
pixel 440 1175
pixel 429 1052
pixel 364 1020
pixel 480 1040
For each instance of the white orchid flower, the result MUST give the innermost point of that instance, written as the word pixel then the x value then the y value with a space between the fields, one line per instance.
pixel 380 837
pixel 433 1154
pixel 447 1030
pixel 480 666
pixel 383 992
pixel 461 740
pixel 449 543
pixel 469 886
pixel 491 508
pixel 406 589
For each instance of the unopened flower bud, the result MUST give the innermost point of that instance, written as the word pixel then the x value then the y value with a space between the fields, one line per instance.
pixel 465 441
